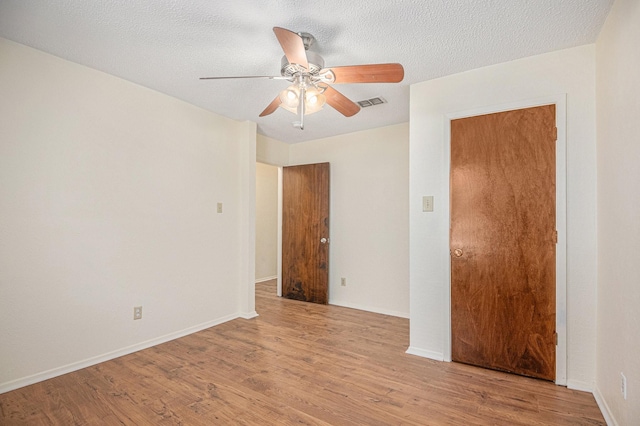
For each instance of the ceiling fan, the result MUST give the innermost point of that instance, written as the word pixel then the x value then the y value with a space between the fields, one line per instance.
pixel 311 82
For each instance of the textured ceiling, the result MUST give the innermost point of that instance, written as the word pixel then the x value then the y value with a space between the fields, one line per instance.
pixel 167 45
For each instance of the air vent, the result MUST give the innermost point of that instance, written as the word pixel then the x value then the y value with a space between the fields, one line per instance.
pixel 371 102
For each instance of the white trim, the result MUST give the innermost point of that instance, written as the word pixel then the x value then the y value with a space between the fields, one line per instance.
pixel 248 315
pixel 580 386
pixel 368 309
pixel 59 371
pixel 262 280
pixel 561 247
pixel 279 244
pixel 446 302
pixel 604 408
pixel 560 101
pixel 437 356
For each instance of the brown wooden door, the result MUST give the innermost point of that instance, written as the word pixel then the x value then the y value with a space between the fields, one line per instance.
pixel 503 241
pixel 305 232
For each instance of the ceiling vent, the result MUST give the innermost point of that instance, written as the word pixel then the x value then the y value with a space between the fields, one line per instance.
pixel 371 102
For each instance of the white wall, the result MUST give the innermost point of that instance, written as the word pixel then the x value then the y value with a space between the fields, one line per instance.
pixel 618 94
pixel 271 151
pixel 369 223
pixel 266 221
pixel 108 197
pixel 570 71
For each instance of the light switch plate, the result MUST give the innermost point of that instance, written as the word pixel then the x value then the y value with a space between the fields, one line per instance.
pixel 427 203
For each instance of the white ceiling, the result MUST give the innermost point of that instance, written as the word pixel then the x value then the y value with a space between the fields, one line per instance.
pixel 167 45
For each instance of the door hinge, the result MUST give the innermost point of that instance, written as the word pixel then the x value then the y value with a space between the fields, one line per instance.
pixel 555 134
pixel 555 335
pixel 555 236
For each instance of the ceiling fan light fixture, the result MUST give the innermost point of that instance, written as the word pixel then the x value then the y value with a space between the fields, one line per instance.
pixel 314 100
pixel 289 98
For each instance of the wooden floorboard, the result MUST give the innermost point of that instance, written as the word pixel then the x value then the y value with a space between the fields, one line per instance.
pixel 297 363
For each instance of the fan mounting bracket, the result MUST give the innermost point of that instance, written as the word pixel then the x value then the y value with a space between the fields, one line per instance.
pixel 307 39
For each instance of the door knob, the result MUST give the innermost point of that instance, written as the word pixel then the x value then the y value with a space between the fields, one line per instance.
pixel 323 240
pixel 457 252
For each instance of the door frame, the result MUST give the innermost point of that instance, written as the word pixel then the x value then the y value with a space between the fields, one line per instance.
pixel 279 243
pixel 560 102
pixel 278 228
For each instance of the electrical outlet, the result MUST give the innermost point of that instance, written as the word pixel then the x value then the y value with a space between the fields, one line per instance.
pixel 219 207
pixel 137 312
pixel 623 385
pixel 343 282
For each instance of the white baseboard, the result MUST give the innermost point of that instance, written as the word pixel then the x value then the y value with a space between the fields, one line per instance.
pixel 368 309
pixel 604 408
pixel 59 371
pixel 438 356
pixel 248 315
pixel 580 386
pixel 261 280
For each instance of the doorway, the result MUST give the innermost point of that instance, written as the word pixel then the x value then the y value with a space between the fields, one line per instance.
pixel 305 232
pixel 503 241
pixel 561 225
pixel 267 216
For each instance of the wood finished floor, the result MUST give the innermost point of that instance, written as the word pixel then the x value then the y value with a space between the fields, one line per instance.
pixel 297 363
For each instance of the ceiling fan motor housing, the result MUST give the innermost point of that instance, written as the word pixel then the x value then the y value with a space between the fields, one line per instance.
pixel 316 63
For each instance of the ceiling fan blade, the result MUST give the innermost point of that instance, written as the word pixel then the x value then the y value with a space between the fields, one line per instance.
pixel 293 47
pixel 270 77
pixel 373 73
pixel 340 102
pixel 272 107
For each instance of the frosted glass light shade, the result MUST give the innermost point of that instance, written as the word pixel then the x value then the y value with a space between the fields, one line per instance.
pixel 313 99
